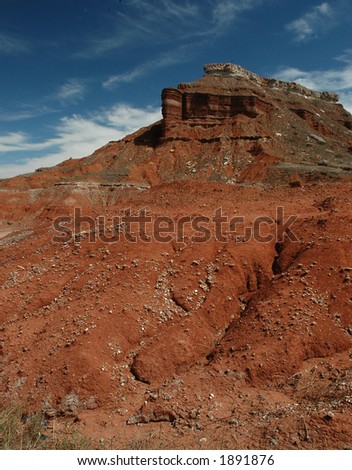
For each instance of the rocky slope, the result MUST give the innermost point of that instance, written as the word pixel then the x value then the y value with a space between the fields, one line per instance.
pixel 195 328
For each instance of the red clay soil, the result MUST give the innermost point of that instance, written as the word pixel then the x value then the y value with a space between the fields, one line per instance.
pixel 235 343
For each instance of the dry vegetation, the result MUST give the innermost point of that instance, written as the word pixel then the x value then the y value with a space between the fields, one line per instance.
pixel 22 431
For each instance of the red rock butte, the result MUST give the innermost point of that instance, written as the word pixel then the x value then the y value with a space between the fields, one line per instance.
pixel 231 125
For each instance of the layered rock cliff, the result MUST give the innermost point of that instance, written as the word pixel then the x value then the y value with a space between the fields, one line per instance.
pixel 251 123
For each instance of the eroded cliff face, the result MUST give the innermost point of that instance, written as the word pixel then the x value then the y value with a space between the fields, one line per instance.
pixel 206 109
pixel 256 129
pixel 217 96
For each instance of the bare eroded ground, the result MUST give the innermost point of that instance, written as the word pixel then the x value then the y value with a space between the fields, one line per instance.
pixel 235 343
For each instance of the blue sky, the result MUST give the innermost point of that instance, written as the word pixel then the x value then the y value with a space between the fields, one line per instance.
pixel 75 74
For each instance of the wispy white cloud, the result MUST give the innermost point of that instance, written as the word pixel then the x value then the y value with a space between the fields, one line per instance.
pixel 18 141
pixel 71 91
pixel 346 99
pixel 181 21
pixel 337 80
pixel 75 136
pixel 313 23
pixel 346 56
pixel 127 119
pixel 24 111
pixel 166 22
pixel 10 45
pixel 226 11
pixel 183 53
pixel 333 79
pixel 145 22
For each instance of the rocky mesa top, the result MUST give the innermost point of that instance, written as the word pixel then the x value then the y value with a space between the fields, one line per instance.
pixel 234 70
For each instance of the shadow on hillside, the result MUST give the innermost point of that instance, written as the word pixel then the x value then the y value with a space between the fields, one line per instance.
pixel 151 137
